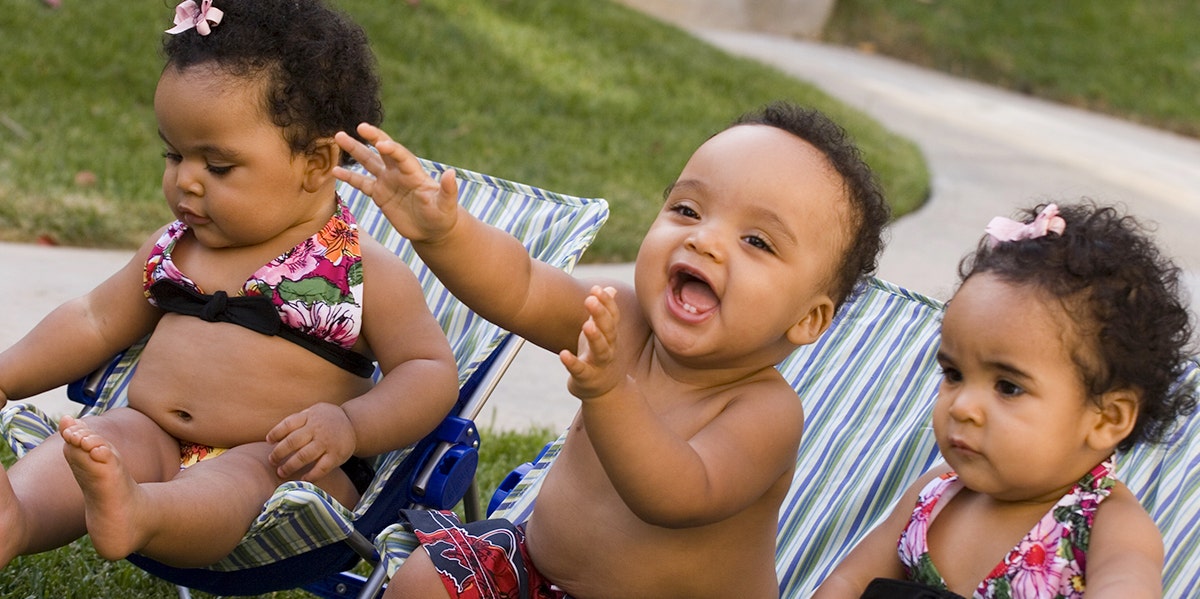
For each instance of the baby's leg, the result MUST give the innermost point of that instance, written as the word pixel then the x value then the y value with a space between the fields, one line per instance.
pixel 192 520
pixel 41 505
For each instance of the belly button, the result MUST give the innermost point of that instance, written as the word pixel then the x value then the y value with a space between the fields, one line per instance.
pixel 184 416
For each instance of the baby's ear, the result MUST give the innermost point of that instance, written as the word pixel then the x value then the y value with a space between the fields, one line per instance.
pixel 319 162
pixel 1118 412
pixel 818 318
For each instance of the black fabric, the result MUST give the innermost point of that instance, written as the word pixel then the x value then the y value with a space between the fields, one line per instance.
pixel 257 313
pixel 886 588
pixel 360 472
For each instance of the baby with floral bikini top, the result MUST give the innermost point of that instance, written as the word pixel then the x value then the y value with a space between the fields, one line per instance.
pixel 1059 348
pixel 265 313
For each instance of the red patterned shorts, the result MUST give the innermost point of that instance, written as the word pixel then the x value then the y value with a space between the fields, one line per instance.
pixel 480 560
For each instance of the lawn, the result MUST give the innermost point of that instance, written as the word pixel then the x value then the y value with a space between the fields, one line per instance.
pixel 1136 59
pixel 587 98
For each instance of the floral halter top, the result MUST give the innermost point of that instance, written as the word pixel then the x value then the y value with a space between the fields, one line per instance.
pixel 314 291
pixel 1049 562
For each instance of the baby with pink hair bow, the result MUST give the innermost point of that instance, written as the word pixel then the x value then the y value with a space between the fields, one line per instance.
pixel 1059 349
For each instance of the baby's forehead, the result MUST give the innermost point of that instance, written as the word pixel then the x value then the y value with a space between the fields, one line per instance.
pixel 758 140
pixel 777 169
pixel 761 156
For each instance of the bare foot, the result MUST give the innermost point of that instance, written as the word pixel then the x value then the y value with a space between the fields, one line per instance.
pixel 11 521
pixel 112 499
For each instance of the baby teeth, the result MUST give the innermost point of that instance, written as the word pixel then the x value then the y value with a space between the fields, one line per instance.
pixel 690 308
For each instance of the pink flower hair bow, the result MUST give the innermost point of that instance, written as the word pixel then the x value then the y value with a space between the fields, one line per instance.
pixel 1006 229
pixel 189 15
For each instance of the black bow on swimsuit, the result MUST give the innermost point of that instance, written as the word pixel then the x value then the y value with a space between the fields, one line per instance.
pixel 254 312
pixel 884 588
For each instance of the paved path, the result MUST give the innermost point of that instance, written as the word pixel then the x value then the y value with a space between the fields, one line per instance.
pixel 990 151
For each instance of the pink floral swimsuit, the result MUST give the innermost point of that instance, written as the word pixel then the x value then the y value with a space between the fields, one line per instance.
pixel 310 295
pixel 1048 563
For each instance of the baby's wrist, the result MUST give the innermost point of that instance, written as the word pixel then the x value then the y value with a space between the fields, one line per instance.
pixel 616 390
pixel 352 426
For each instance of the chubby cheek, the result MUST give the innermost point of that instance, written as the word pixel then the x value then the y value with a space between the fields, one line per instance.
pixel 650 266
pixel 647 288
pixel 940 420
pixel 654 245
pixel 944 424
pixel 170 193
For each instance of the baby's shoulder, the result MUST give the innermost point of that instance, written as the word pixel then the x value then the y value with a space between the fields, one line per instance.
pixel 1125 547
pixel 381 265
pixel 1122 509
pixel 766 385
pixel 768 403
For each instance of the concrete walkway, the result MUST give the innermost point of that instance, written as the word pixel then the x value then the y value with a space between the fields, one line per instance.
pixel 990 152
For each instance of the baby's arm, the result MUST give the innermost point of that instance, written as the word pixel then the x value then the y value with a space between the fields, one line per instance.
pixel 718 468
pixel 79 335
pixel 418 388
pixel 485 267
pixel 876 556
pixel 698 438
pixel 1125 554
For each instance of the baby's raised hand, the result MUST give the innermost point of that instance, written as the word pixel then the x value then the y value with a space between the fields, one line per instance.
pixel 593 370
pixel 420 208
pixel 312 443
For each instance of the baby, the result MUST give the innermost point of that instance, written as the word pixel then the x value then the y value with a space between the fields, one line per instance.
pixel 671 477
pixel 1059 348
pixel 263 305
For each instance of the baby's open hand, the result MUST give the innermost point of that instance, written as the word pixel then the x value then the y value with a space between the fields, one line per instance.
pixel 592 369
pixel 420 208
pixel 312 443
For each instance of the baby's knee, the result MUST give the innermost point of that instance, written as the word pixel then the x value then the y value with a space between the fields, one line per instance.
pixel 147 451
pixel 416 578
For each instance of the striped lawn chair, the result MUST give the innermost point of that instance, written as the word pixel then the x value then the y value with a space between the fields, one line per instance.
pixel 868 387
pixel 303 535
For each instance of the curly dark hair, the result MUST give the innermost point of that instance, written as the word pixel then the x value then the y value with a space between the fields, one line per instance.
pixel 1124 297
pixel 321 69
pixel 869 212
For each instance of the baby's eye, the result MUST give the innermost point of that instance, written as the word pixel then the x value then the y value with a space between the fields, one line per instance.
pixel 759 243
pixel 951 375
pixel 219 170
pixel 1008 388
pixel 685 211
pixel 172 157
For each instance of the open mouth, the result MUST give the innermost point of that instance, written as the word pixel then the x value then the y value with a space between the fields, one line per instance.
pixel 692 293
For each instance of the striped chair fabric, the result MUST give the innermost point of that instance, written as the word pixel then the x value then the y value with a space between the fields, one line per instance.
pixel 555 228
pixel 868 387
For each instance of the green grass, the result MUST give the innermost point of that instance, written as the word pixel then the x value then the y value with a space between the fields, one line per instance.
pixel 1136 59
pixel 76 571
pixel 587 98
